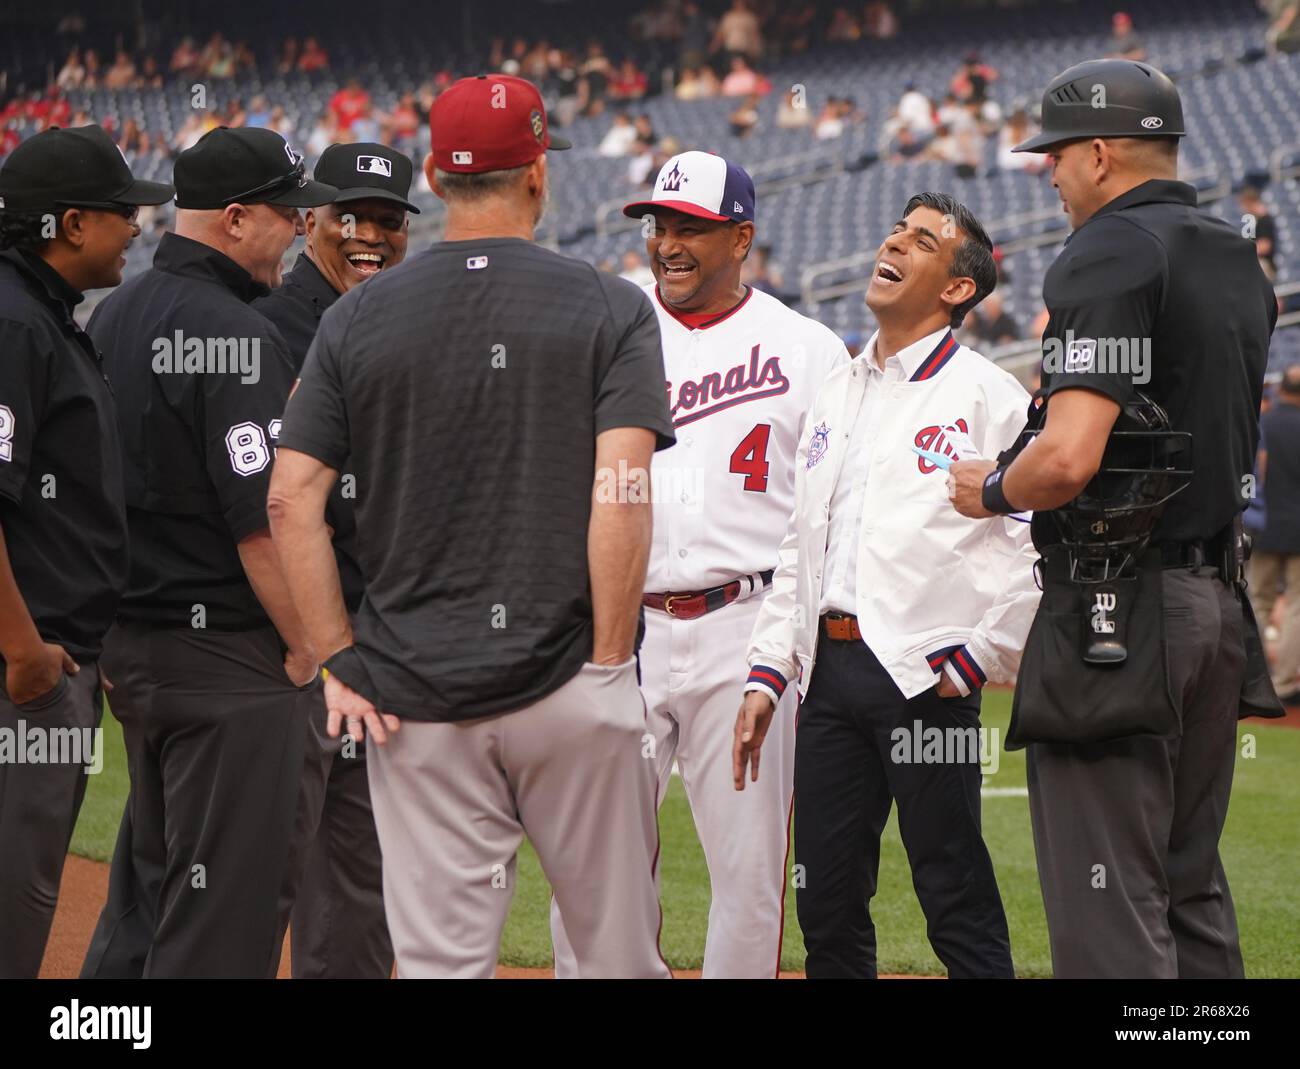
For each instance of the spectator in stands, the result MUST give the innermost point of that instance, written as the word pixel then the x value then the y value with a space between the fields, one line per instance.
pixel 1284 32
pixel 760 272
pixel 560 87
pixel 1276 556
pixel 745 116
pixel 150 76
pixel 122 73
pixel 645 129
pixel 244 59
pixel 72 73
pixel 235 115
pixel 282 124
pixel 635 269
pixel 694 44
pixel 916 113
pixel 57 110
pixel 405 120
pixel 93 74
pixel 1124 41
pixel 742 80
pixel 324 133
pixel 697 84
pixel 288 56
pixel 641 162
pixel 879 21
pixel 218 58
pixel 843 27
pixel 794 112
pixel 9 137
pixel 186 60
pixel 830 123
pixel 259 112
pixel 992 324
pixel 349 104
pixel 1017 129
pixel 738 33
pixel 620 138
pixel 129 139
pixel 193 128
pixel 972 80
pixel 794 29
pixel 313 58
pixel 1256 222
pixel 595 72
pixel 629 82
pixel 905 145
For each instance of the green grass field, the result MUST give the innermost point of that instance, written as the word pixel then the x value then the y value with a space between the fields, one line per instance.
pixel 1261 851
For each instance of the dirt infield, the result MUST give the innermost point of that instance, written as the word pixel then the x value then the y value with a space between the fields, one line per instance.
pixel 85 886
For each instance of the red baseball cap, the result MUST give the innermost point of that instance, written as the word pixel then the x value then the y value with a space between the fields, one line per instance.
pixel 490 123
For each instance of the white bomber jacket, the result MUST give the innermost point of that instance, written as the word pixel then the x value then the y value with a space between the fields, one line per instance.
pixel 932 585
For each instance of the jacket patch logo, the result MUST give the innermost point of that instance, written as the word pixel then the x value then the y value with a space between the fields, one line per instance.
pixel 935 439
pixel 717 391
pixel 1080 355
pixel 821 439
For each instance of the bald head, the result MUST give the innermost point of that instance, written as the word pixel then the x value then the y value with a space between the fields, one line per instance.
pixel 255 236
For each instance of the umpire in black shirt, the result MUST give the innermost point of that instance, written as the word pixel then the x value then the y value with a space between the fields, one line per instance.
pixel 67 214
pixel 214 680
pixel 1150 298
pixel 337 926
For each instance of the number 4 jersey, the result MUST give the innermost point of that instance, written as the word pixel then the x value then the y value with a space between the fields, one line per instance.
pixel 739 388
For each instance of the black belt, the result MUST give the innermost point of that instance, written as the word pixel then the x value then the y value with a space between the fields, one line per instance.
pixel 1219 553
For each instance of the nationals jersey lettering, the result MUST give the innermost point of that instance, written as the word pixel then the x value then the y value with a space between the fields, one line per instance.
pixel 744 382
pixel 724 493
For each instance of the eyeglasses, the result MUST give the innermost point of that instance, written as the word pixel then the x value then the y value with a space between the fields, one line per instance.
pixel 129 212
pixel 295 176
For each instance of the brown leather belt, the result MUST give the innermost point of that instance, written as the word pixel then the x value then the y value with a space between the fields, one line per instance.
pixel 696 603
pixel 841 628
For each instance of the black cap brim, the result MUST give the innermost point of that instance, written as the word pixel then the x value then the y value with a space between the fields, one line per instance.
pixel 1043 141
pixel 310 194
pixel 141 192
pixel 371 193
pixel 558 142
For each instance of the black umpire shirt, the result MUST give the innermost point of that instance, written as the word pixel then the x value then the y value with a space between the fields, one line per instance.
pixel 201 381
pixel 1281 434
pixel 60 468
pixel 295 309
pixel 1153 295
pixel 466 387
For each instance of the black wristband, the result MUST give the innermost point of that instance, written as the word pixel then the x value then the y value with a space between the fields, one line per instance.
pixel 993 498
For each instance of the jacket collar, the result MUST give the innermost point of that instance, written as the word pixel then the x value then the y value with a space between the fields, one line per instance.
pixel 49 284
pixel 1152 191
pixel 192 259
pixel 915 357
pixel 308 278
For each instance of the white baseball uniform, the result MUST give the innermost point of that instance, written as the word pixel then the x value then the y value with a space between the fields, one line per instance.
pixel 739 388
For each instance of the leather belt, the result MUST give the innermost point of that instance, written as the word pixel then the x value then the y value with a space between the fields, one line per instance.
pixel 696 603
pixel 841 627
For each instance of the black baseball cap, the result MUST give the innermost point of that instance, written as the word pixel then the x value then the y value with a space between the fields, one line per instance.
pixel 250 165
pixel 77 168
pixel 367 171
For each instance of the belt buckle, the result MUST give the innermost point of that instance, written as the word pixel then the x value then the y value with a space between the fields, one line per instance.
pixel 668 603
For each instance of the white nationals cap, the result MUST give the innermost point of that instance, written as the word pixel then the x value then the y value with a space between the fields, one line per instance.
pixel 701 184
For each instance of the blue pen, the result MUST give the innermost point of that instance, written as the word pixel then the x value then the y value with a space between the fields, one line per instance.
pixel 937 459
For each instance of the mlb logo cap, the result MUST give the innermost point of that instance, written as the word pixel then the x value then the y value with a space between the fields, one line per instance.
pixel 703 185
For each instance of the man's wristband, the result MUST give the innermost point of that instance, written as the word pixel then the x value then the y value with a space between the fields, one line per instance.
pixel 993 498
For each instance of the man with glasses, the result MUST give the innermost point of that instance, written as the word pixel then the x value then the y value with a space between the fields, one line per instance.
pixel 67 207
pixel 214 677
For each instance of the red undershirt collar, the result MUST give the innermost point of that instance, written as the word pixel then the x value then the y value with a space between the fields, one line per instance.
pixel 703 320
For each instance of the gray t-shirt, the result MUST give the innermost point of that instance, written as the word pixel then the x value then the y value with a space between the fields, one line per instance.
pixel 466 388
